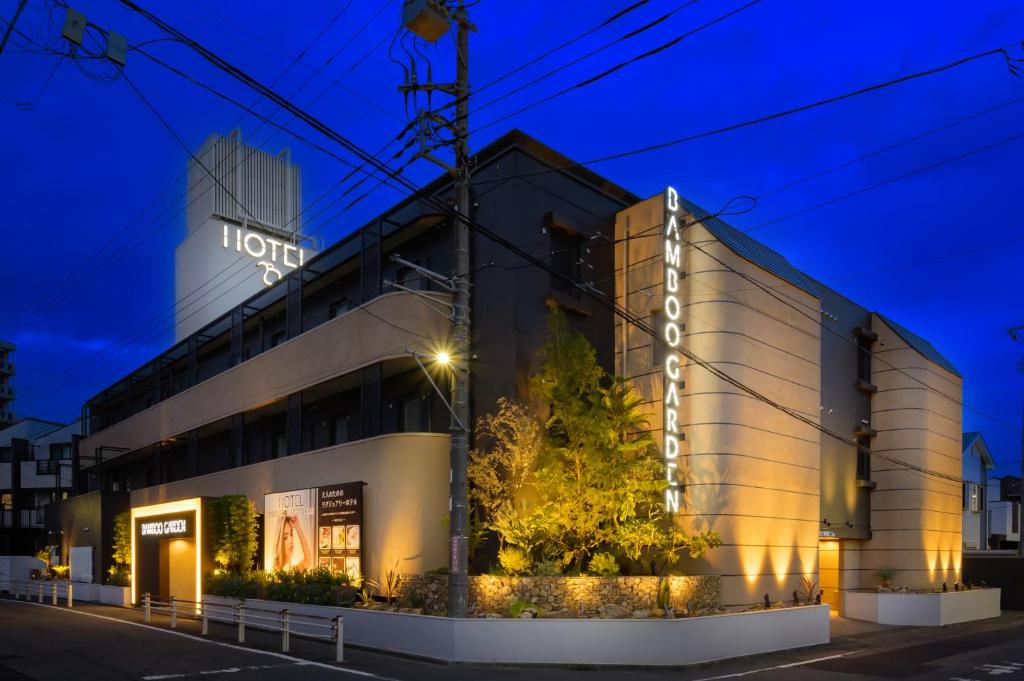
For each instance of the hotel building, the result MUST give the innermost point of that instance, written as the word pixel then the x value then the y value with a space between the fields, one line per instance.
pixel 314 381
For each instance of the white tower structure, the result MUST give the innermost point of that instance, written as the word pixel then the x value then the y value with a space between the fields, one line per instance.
pixel 243 220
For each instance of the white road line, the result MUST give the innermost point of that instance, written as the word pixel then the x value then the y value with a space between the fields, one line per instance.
pixel 781 666
pixel 299 660
pixel 207 672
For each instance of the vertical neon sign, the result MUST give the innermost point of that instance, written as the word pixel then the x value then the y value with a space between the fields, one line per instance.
pixel 672 335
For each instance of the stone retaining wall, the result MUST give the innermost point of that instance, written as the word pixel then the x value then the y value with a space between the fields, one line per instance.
pixel 567 596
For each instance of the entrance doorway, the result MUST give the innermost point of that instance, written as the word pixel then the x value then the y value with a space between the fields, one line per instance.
pixel 829 562
pixel 167 550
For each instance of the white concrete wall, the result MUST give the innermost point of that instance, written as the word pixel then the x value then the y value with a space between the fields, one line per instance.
pixel 209 279
pixel 582 641
pixel 923 609
pixel 751 473
pixel 404 501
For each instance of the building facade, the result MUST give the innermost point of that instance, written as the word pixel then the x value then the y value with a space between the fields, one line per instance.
pixel 314 380
pixel 36 470
pixel 977 462
pixel 830 491
pixel 820 439
pixel 6 384
pixel 1003 510
pixel 242 229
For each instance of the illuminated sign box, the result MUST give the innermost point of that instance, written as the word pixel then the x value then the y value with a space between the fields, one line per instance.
pixel 175 527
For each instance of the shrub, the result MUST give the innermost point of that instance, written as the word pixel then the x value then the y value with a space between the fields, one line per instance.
pixel 313 587
pixel 548 568
pixel 516 607
pixel 604 565
pixel 515 561
pixel 119 575
pixel 319 586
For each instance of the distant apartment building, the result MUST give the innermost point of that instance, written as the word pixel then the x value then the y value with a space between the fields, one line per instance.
pixel 1003 501
pixel 977 462
pixel 243 229
pixel 6 383
pixel 36 464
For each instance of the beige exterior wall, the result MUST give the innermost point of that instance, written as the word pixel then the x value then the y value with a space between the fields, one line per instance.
pixel 404 501
pixel 751 472
pixel 355 339
pixel 915 518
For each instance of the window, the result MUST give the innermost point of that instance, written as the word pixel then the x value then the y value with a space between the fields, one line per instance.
pixel 973 497
pixel 277 339
pixel 339 428
pixel 413 414
pixel 277 445
pixel 864 359
pixel 566 259
pixel 863 463
pixel 339 307
pixel 61 452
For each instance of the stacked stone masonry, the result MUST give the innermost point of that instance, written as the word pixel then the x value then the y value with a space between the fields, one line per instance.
pixel 570 596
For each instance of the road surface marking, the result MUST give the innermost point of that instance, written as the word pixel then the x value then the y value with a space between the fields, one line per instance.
pixel 781 666
pixel 207 672
pixel 299 660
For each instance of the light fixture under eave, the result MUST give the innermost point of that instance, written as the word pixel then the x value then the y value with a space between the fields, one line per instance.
pixel 443 358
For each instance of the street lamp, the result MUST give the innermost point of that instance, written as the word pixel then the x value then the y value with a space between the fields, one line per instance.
pixel 441 358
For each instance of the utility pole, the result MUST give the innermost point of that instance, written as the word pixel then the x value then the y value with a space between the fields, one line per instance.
pixel 1015 333
pixel 431 19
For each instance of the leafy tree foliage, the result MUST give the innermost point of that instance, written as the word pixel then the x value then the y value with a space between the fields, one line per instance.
pixel 234 532
pixel 586 478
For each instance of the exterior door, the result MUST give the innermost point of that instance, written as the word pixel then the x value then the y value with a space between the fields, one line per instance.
pixel 828 571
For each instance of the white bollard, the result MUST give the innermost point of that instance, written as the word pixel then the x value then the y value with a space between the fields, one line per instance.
pixel 40 592
pixel 174 613
pixel 241 623
pixel 339 653
pixel 145 607
pixel 284 631
pixel 70 595
pixel 206 622
pixel 53 593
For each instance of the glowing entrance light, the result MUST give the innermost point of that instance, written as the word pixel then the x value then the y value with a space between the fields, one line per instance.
pixel 267 251
pixel 443 358
pixel 672 335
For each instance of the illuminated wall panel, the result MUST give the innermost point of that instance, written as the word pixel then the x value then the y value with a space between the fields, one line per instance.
pixel 746 470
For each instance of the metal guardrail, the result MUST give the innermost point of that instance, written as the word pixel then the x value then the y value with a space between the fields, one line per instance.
pixel 55 590
pixel 248 617
pixel 242 615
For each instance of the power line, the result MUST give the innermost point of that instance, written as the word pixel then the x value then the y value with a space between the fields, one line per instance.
pixel 621 65
pixel 497 238
pixel 916 171
pixel 1010 62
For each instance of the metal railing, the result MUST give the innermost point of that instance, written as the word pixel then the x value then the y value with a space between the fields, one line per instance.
pixel 249 617
pixel 38 589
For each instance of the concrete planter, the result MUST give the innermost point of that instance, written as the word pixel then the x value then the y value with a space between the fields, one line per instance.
pixel 923 609
pixel 631 642
pixel 102 593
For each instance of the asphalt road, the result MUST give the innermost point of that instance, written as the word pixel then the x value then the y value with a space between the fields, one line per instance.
pixel 41 643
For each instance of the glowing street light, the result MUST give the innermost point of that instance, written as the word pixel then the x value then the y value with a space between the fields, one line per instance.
pixel 443 358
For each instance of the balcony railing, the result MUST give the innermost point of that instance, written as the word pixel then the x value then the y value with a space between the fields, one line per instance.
pixel 32 517
pixel 7 392
pixel 7 518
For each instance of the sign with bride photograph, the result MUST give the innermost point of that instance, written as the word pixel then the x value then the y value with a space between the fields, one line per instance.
pixel 318 526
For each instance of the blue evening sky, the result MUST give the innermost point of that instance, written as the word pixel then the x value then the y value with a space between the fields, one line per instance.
pixel 940 251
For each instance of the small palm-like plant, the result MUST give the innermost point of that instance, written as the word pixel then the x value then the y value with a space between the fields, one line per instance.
pixel 808 587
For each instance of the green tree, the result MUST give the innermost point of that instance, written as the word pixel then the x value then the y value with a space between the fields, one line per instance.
pixel 122 539
pixel 586 478
pixel 234 530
